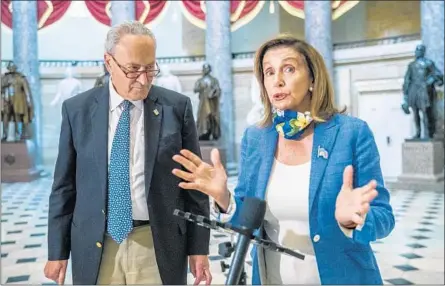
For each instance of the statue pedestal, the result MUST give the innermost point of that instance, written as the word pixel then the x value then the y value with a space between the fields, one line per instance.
pixel 206 149
pixel 422 166
pixel 17 162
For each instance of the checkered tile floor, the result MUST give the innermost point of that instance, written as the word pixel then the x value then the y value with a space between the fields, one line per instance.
pixel 412 254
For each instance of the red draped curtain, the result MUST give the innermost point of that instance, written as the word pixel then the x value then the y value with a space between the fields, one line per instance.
pixel 147 12
pixel 339 7
pixel 48 12
pixel 242 12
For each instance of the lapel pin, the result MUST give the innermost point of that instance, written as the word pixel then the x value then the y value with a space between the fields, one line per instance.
pixel 156 112
pixel 322 152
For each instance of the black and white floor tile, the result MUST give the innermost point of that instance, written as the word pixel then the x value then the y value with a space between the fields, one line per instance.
pixel 412 254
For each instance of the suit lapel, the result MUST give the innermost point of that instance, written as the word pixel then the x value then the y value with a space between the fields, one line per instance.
pixel 152 126
pixel 268 148
pixel 324 138
pixel 99 121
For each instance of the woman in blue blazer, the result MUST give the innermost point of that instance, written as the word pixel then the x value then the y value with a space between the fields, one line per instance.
pixel 318 170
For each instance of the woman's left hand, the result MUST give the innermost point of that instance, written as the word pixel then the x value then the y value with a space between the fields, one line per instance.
pixel 353 204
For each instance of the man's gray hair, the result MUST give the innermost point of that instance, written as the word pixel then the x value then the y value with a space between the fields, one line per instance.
pixel 115 34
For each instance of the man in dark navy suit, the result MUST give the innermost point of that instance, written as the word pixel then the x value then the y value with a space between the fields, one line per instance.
pixel 113 196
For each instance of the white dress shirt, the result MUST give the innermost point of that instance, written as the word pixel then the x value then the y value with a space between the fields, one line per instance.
pixel 286 222
pixel 137 149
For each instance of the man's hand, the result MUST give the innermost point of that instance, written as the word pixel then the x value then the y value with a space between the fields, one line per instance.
pixel 199 266
pixel 56 271
pixel 353 204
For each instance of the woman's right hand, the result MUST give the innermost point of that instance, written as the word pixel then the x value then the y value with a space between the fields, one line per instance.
pixel 211 180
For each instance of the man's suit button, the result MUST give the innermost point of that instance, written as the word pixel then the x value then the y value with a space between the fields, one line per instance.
pixel 316 238
pixel 98 244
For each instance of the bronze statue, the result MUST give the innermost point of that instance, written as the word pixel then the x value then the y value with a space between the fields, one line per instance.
pixel 420 93
pixel 103 79
pixel 208 111
pixel 17 105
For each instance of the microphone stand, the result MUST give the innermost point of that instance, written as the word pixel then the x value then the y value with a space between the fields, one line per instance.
pixel 236 275
pixel 225 249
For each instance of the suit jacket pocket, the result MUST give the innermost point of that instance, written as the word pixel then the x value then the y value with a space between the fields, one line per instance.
pixel 363 257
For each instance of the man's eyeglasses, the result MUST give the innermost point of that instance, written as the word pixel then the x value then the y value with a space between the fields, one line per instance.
pixel 135 74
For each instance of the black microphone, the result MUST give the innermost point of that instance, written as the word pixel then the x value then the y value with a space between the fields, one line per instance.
pixel 250 218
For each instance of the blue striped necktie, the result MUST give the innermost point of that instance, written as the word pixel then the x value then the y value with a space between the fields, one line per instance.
pixel 120 218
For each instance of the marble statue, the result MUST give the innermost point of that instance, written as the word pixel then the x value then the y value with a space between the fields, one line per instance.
pixel 168 80
pixel 103 79
pixel 420 93
pixel 67 88
pixel 257 112
pixel 17 105
pixel 208 122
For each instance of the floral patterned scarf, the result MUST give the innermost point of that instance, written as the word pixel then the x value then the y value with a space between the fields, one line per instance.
pixel 291 124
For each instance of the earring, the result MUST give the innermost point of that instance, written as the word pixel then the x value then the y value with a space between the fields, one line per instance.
pixel 311 88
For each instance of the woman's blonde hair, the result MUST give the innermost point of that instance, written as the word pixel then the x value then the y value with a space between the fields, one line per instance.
pixel 322 101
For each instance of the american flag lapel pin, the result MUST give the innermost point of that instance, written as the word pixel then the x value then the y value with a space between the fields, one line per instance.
pixel 156 112
pixel 322 152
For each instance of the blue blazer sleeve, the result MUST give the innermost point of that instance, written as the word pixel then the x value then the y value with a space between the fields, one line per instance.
pixel 380 219
pixel 241 188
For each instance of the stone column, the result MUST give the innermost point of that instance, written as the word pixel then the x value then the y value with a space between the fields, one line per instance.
pixel 318 30
pixel 122 11
pixel 432 32
pixel 432 29
pixel 24 26
pixel 219 56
